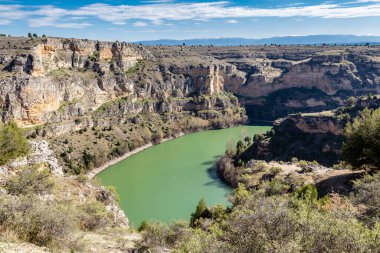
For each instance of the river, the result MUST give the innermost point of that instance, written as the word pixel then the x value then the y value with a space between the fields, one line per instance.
pixel 166 181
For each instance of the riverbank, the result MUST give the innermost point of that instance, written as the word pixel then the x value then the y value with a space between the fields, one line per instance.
pixel 97 170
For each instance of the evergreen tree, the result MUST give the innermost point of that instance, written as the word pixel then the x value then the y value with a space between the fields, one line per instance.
pixel 13 143
pixel 362 144
pixel 201 211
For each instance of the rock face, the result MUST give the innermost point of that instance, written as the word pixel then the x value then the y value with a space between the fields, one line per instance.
pixel 310 136
pixel 43 76
pixel 53 80
pixel 305 137
pixel 275 81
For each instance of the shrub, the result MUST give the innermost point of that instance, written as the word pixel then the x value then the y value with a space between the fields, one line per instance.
pixel 30 181
pixel 362 144
pixel 13 143
pixel 36 221
pixel 239 148
pixel 305 166
pixel 276 187
pixel 275 170
pixel 46 224
pixel 308 193
pixel 158 137
pixel 368 193
pixel 201 211
pixel 93 215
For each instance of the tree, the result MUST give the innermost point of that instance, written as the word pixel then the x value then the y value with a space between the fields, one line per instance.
pixel 248 140
pixel 239 147
pixel 30 35
pixel 201 211
pixel 158 136
pixel 13 143
pixel 362 144
pixel 35 35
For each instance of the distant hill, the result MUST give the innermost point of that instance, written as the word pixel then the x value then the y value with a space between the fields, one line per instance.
pixel 287 40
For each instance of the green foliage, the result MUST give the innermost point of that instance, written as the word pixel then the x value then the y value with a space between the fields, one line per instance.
pixel 239 148
pixel 275 222
pixel 305 166
pixel 201 211
pixel 362 144
pixel 308 193
pixel 93 215
pixel 13 143
pixel 158 136
pixel 30 181
pixel 95 56
pixel 248 141
pixel 368 194
pixel 139 65
pixel 275 170
pixel 276 187
pixel 88 160
pixel 36 221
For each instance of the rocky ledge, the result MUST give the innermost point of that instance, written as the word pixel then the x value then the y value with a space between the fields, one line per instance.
pixel 310 136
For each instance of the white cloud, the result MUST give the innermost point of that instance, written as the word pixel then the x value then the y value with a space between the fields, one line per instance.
pixel 140 24
pixel 73 25
pixel 159 11
pixel 232 21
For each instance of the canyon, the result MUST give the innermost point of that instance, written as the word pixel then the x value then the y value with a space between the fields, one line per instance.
pixel 82 104
pixel 53 80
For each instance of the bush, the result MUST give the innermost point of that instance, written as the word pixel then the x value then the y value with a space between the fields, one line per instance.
pixel 93 215
pixel 276 187
pixel 158 137
pixel 305 166
pixel 362 144
pixel 30 181
pixel 13 143
pixel 47 224
pixel 368 193
pixel 36 221
pixel 275 170
pixel 201 211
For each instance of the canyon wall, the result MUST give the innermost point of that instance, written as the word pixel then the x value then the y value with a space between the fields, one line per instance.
pixel 51 80
pixel 308 136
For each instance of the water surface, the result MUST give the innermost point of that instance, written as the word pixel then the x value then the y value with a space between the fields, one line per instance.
pixel 165 182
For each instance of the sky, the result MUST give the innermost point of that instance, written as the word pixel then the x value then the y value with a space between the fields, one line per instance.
pixel 135 20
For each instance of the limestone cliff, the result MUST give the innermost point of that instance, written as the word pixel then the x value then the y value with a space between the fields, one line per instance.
pixel 273 81
pixel 54 80
pixel 310 136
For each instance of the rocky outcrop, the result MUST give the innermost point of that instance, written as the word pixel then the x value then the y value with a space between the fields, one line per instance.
pixel 306 137
pixel 50 74
pixel 52 80
pixel 311 136
pixel 57 80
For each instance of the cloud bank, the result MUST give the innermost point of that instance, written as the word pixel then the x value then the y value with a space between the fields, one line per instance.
pixel 158 11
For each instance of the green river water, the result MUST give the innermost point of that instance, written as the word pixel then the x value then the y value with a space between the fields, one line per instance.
pixel 165 182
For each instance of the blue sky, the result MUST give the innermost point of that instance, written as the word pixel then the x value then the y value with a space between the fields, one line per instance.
pixel 177 19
